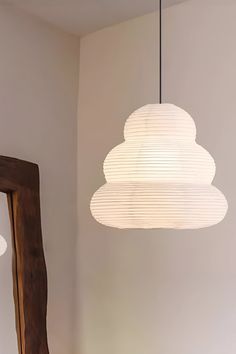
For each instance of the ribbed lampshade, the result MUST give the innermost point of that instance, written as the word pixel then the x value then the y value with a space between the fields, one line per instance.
pixel 159 177
pixel 3 245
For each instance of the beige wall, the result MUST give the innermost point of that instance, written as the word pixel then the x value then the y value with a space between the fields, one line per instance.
pixel 38 108
pixel 158 292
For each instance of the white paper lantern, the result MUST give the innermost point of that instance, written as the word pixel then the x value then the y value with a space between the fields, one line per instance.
pixel 159 177
pixel 3 245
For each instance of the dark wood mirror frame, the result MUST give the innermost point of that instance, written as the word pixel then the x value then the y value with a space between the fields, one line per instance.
pixel 20 181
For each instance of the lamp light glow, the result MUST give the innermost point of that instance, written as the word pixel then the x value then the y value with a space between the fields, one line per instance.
pixel 159 177
pixel 3 245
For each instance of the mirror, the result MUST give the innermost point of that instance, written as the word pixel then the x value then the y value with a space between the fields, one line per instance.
pixel 8 335
pixel 27 313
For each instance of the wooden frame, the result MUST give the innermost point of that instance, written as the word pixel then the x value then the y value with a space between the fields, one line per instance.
pixel 20 181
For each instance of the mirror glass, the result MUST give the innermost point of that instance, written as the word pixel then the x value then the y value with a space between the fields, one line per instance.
pixel 8 336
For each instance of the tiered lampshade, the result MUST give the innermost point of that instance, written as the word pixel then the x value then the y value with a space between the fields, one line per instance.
pixel 3 245
pixel 159 177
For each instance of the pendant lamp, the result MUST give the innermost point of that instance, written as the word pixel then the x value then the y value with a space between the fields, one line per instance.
pixel 159 177
pixel 3 245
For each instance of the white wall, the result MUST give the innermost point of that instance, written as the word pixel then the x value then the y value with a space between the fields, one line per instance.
pixel 158 292
pixel 38 113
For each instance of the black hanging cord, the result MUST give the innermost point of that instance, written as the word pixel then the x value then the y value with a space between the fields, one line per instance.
pixel 160 50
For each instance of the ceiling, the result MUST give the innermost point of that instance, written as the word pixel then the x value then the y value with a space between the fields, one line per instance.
pixel 84 16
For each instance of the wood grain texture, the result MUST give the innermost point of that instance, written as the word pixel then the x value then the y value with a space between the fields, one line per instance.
pixel 20 180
